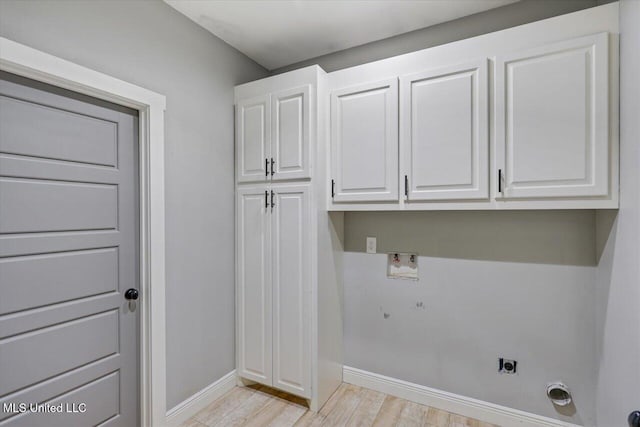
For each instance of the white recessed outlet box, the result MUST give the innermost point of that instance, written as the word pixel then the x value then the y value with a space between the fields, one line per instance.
pixel 402 266
pixel 371 245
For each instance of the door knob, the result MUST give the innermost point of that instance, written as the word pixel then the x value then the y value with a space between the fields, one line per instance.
pixel 634 419
pixel 131 294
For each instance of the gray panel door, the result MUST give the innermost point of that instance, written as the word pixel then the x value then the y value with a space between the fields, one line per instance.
pixel 68 253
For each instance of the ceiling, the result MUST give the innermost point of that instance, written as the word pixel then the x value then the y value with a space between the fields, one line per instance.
pixel 275 33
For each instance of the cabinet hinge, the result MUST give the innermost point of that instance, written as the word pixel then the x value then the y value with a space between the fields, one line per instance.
pixel 333 188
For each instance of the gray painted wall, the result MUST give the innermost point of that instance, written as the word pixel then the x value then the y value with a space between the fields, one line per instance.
pixel 150 44
pixel 515 284
pixel 618 275
pixel 561 237
pixel 512 15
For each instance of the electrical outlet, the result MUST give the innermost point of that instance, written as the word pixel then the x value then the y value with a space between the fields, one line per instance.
pixel 507 366
pixel 371 245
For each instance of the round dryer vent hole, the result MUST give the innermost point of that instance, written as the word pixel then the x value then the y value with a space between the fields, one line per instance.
pixel 559 394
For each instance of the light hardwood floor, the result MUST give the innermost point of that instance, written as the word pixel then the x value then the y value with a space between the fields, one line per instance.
pixel 258 406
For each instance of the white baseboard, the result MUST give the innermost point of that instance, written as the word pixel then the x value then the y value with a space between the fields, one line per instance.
pixel 190 406
pixel 450 402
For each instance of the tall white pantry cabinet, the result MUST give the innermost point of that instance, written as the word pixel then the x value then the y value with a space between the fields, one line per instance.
pixel 288 247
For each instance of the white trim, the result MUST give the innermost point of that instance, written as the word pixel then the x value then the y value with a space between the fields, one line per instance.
pixel 192 405
pixel 34 64
pixel 450 402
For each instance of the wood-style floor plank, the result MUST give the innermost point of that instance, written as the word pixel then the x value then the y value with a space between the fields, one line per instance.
pixel 265 416
pixel 245 411
pixel 309 419
pixel 344 408
pixel 349 406
pixel 289 416
pixel 389 413
pixel 220 408
pixel 438 418
pixel 316 420
pixel 460 421
pixel 192 422
pixel 413 415
pixel 367 409
pixel 333 400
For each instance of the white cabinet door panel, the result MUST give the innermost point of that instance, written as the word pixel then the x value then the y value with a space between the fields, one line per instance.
pixel 552 126
pixel 291 248
pixel 364 142
pixel 253 138
pixel 254 285
pixel 291 133
pixel 444 142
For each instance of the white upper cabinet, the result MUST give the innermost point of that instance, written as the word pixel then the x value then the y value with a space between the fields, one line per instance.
pixel 273 136
pixel 444 133
pixel 524 118
pixel 364 142
pixel 552 120
pixel 253 284
pixel 290 134
pixel 291 253
pixel 253 138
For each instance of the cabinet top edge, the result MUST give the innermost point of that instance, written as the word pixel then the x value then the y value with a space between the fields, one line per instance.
pixel 307 75
pixel 581 23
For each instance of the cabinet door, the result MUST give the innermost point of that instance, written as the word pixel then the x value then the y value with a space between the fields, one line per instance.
pixel 552 120
pixel 444 133
pixel 364 142
pixel 291 249
pixel 290 134
pixel 253 285
pixel 253 138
